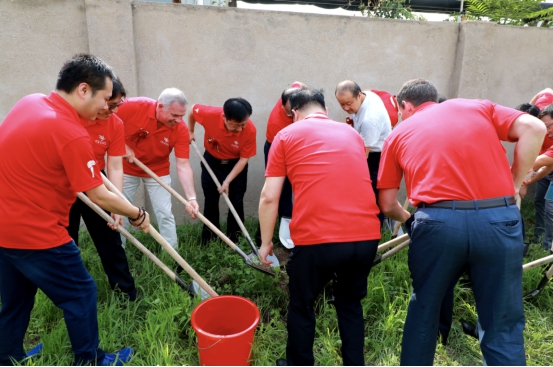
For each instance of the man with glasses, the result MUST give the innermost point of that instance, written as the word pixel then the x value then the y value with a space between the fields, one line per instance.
pixel 370 119
pixel 466 216
pixel 152 130
pixel 229 142
pixel 107 135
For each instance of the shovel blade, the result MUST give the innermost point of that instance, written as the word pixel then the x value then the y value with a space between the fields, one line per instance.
pixel 196 290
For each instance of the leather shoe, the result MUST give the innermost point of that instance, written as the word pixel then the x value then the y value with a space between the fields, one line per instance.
pixel 281 362
pixel 469 329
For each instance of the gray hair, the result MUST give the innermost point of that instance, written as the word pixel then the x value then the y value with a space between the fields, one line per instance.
pixel 170 96
pixel 417 92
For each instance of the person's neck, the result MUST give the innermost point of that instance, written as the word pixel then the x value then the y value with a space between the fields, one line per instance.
pixel 68 97
pixel 310 110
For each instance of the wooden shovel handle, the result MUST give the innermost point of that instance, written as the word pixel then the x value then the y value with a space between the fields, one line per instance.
pixel 174 254
pixel 396 249
pixel 391 243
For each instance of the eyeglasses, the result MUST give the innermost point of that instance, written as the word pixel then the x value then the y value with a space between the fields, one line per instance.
pixel 548 126
pixel 111 107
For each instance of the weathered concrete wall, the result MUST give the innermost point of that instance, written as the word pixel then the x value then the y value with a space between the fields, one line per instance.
pixel 216 53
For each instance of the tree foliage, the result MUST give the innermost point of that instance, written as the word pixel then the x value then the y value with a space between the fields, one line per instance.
pixel 509 12
pixel 391 9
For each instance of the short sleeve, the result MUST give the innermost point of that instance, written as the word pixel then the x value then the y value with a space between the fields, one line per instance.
pixel 80 165
pixel 203 113
pixel 276 166
pixel 182 143
pixel 117 144
pixel 390 172
pixel 250 147
pixel 503 118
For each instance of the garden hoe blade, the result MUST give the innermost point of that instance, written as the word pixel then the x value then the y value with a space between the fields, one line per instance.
pixel 543 282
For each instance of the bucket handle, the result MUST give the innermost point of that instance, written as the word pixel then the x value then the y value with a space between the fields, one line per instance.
pixel 211 346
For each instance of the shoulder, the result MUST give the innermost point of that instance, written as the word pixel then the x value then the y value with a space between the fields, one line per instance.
pixel 202 109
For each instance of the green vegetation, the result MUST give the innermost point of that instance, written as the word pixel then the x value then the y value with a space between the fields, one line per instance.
pixel 158 327
pixel 391 9
pixel 508 12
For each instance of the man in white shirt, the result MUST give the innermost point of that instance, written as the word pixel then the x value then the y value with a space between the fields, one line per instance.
pixel 370 119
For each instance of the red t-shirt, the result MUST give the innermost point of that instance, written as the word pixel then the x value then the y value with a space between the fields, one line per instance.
pixel 106 136
pixel 218 141
pixel 278 119
pixel 326 165
pixel 544 100
pixel 46 159
pixel 450 151
pixel 152 146
pixel 389 103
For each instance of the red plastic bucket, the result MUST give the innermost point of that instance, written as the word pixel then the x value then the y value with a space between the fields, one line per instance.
pixel 225 326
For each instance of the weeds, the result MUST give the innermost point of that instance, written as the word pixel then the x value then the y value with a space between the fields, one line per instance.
pixel 158 326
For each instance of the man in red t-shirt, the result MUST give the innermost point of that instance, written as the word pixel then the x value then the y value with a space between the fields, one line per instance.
pixel 466 216
pixel 46 159
pixel 107 135
pixel 229 143
pixel 152 130
pixel 312 153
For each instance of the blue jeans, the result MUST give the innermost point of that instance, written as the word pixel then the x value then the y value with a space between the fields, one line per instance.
pixel 489 243
pixel 60 273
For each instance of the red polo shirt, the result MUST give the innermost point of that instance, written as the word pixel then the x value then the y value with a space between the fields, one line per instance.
pixel 46 158
pixel 278 119
pixel 218 141
pixel 106 136
pixel 325 162
pixel 450 151
pixel 152 146
pixel 544 100
pixel 389 103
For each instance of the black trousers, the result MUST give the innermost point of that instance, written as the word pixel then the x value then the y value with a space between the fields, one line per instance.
pixel 108 243
pixel 373 161
pixel 310 268
pixel 237 189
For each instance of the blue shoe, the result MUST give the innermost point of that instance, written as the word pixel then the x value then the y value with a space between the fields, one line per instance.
pixel 35 352
pixel 118 358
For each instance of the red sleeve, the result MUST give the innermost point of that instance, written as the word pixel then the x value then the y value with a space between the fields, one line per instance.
pixel 503 118
pixel 250 147
pixel 80 165
pixel 276 166
pixel 549 152
pixel 203 113
pixel 544 100
pixel 390 172
pixel 117 145
pixel 182 144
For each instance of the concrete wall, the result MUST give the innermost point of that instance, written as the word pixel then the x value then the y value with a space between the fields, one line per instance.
pixel 214 53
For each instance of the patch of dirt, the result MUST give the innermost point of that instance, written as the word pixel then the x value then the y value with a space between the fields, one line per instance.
pixel 282 254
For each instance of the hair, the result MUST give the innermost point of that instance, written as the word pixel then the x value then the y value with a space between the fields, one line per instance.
pixel 170 96
pixel 302 98
pixel 237 109
pixel 530 108
pixel 348 86
pixel 84 68
pixel 547 111
pixel 441 98
pixel 118 89
pixel 285 96
pixel 417 92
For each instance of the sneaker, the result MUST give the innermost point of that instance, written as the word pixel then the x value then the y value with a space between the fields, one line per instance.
pixel 35 352
pixel 118 358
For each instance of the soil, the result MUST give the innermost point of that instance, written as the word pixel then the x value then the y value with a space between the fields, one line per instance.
pixel 282 254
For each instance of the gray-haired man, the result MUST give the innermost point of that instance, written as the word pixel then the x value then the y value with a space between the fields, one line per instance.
pixel 152 129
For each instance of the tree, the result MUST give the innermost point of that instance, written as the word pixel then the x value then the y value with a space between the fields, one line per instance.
pixel 393 9
pixel 508 12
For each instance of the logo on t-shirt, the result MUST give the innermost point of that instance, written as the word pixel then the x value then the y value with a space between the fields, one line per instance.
pixel 235 144
pixel 90 165
pixel 165 141
pixel 101 140
pixel 197 110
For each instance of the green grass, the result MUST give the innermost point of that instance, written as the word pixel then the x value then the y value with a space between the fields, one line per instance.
pixel 158 326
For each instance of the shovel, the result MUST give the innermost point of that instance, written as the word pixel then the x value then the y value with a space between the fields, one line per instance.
pixel 231 208
pixel 174 254
pixel 137 244
pixel 396 249
pixel 204 220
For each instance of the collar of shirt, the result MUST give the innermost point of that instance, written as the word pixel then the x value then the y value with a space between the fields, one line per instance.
pixel 318 115
pixel 363 107
pixel 424 106
pixel 63 104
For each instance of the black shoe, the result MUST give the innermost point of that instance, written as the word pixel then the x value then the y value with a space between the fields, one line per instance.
pixel 525 249
pixel 470 329
pixel 281 362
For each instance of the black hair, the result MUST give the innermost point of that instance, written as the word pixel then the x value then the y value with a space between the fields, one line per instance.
pixel 118 89
pixel 237 109
pixel 301 98
pixel 350 86
pixel 441 98
pixel 285 96
pixel 84 68
pixel 530 108
pixel 417 92
pixel 547 111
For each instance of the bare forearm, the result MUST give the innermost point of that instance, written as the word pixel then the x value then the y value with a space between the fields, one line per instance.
pixel 529 132
pixel 111 202
pixel 186 179
pixel 268 210
pixel 115 172
pixel 390 207
pixel 238 167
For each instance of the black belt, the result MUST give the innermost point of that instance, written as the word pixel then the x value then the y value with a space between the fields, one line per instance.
pixel 471 204
pixel 211 159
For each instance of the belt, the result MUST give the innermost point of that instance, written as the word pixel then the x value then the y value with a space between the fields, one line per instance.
pixel 215 160
pixel 471 204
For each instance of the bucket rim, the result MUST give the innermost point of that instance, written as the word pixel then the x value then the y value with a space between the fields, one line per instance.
pixel 215 336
